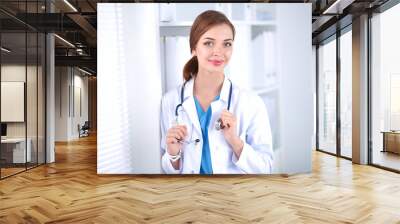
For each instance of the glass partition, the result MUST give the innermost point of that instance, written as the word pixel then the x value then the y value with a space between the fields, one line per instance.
pixel 32 95
pixel 22 88
pixel 13 105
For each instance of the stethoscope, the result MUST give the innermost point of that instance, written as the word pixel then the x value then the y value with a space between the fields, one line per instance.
pixel 218 125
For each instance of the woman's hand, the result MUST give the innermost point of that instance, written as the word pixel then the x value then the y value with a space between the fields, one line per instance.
pixel 229 131
pixel 174 139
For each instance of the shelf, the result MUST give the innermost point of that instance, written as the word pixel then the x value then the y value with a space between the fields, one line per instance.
pixel 175 24
pixel 189 23
pixel 266 90
pixel 255 23
pixel 183 28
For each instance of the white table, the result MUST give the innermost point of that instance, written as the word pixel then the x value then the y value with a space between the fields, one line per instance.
pixel 18 144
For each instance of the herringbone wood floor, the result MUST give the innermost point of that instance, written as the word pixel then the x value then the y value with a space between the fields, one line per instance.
pixel 70 191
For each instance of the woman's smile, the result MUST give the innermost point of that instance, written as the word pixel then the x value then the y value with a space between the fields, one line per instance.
pixel 216 62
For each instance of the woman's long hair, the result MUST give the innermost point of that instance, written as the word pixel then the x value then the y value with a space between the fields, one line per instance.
pixel 202 24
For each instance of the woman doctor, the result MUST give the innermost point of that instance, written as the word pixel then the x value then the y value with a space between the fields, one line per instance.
pixel 208 124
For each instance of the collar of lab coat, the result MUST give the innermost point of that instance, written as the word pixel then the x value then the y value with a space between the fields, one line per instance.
pixel 224 95
pixel 190 106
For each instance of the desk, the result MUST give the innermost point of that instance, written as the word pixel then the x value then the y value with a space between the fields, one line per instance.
pixel 391 141
pixel 15 148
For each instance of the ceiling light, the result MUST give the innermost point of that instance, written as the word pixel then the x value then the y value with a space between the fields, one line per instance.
pixel 84 71
pixel 70 5
pixel 65 41
pixel 5 50
pixel 338 6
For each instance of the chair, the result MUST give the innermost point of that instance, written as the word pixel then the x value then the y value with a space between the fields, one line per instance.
pixel 84 130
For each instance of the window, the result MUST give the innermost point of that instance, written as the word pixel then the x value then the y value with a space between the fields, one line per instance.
pixel 385 88
pixel 346 93
pixel 327 96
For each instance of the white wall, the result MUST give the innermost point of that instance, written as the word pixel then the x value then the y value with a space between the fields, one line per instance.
pixel 67 117
pixel 79 117
pixel 61 103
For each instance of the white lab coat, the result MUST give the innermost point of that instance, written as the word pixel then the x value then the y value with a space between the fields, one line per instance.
pixel 253 128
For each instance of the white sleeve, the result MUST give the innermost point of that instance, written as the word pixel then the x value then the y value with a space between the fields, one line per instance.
pixel 257 154
pixel 166 119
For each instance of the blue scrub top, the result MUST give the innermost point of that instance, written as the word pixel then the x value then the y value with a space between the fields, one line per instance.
pixel 204 119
